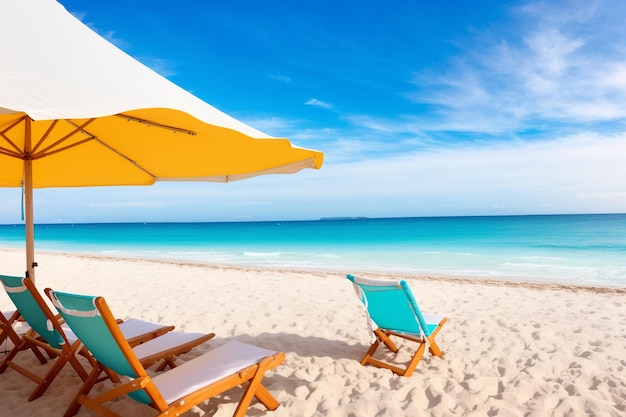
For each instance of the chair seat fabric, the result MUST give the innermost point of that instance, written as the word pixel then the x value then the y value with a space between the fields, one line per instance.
pixel 7 314
pixel 130 328
pixel 164 343
pixel 208 368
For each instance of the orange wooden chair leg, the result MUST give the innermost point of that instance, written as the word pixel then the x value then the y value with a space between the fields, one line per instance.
pixel 410 368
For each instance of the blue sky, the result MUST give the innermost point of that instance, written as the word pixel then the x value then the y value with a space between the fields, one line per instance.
pixel 422 108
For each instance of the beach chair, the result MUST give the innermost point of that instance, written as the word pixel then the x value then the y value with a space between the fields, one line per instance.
pixel 7 320
pixel 393 311
pixel 49 334
pixel 174 391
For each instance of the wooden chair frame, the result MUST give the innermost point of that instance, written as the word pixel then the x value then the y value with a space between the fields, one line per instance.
pixel 6 327
pixel 8 332
pixel 383 337
pixel 392 311
pixel 65 351
pixel 63 354
pixel 250 377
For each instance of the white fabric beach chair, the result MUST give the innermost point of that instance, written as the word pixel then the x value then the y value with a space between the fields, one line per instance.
pixel 174 391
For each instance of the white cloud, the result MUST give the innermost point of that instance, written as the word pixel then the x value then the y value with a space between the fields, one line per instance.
pixel 574 174
pixel 317 103
pixel 612 196
pixel 157 64
pixel 582 173
pixel 109 35
pixel 282 78
pixel 130 204
pixel 274 126
pixel 161 66
pixel 550 66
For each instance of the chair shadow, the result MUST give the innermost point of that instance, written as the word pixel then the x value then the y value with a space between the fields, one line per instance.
pixel 303 346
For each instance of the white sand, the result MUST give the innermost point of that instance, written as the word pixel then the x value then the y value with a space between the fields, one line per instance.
pixel 510 349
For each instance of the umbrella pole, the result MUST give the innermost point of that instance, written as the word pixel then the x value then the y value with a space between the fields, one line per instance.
pixel 28 215
pixel 28 203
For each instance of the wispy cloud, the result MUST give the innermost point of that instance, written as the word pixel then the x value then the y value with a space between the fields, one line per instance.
pixel 159 65
pixel 581 173
pixel 273 126
pixel 318 103
pixel 79 15
pixel 282 78
pixel 109 35
pixel 549 67
pixel 130 204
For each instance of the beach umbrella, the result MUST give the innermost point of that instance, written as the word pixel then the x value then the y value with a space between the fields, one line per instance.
pixel 76 111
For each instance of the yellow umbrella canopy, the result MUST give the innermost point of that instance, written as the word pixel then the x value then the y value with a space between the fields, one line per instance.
pixel 131 149
pixel 76 111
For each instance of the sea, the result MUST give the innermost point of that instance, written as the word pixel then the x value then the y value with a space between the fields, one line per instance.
pixel 585 249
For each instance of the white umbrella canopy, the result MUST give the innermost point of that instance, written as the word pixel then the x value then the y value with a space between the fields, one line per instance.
pixel 76 111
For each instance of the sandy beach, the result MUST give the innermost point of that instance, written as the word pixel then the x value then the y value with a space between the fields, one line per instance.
pixel 511 349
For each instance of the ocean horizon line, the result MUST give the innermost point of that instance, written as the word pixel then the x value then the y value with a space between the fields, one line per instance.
pixel 329 219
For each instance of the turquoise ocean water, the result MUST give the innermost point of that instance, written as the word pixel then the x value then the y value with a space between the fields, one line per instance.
pixel 575 249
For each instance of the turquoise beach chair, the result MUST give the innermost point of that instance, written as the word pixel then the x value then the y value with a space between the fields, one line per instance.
pixel 172 392
pixel 393 311
pixel 45 334
pixel 49 334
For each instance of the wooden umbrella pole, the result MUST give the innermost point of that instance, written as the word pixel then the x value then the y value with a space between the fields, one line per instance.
pixel 28 203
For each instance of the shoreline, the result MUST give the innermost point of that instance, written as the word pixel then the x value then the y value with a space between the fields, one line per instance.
pixel 510 349
pixel 586 250
pixel 499 282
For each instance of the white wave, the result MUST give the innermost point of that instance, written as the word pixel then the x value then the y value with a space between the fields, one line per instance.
pixel 262 254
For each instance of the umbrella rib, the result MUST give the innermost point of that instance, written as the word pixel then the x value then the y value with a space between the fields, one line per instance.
pixel 45 151
pixel 110 148
pixel 8 152
pixel 149 124
pixel 44 154
pixel 121 155
pixel 45 135
pixel 19 153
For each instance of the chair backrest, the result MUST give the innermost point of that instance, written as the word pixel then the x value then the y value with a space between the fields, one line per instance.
pixel 390 304
pixel 93 323
pixel 33 309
